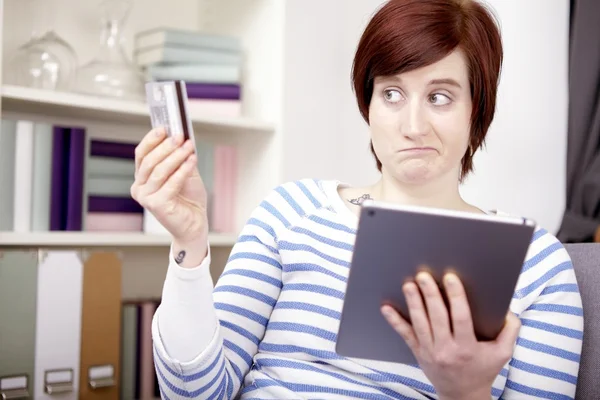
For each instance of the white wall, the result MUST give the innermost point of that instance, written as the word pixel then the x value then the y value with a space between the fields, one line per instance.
pixel 79 22
pixel 314 72
pixel 523 169
pixel 325 137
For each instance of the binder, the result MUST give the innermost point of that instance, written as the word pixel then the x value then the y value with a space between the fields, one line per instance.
pixel 100 327
pixel 18 290
pixel 58 325
pixel 129 353
pixel 146 358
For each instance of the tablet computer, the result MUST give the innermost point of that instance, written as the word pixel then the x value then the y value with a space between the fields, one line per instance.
pixel 486 251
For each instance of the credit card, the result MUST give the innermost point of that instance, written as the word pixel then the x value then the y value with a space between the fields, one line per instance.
pixel 169 108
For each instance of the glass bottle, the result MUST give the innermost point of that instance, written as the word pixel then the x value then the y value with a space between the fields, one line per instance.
pixel 111 73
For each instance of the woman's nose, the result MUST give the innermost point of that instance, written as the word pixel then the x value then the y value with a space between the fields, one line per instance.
pixel 414 121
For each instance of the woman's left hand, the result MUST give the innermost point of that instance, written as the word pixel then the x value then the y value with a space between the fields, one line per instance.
pixel 444 341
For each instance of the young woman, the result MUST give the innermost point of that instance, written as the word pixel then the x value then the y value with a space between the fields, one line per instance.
pixel 425 76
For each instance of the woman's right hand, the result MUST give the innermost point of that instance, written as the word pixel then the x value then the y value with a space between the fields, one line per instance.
pixel 168 184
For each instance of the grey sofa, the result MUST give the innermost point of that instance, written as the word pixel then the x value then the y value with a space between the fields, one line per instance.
pixel 586 262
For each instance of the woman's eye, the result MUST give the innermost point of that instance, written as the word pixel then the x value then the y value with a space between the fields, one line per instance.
pixel 439 99
pixel 392 96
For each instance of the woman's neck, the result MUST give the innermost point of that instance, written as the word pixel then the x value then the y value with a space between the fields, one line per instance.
pixel 440 193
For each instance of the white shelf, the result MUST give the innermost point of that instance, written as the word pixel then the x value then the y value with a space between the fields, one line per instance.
pixel 100 239
pixel 74 105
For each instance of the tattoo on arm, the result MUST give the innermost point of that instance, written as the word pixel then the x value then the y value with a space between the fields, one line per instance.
pixel 180 257
pixel 359 200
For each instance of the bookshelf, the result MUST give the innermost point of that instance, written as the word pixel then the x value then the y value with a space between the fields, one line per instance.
pixel 99 239
pixel 257 134
pixel 55 104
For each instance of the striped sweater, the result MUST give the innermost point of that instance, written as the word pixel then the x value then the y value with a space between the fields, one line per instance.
pixel 268 329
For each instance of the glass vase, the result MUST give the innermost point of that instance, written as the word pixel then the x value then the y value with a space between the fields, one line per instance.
pixel 111 73
pixel 46 60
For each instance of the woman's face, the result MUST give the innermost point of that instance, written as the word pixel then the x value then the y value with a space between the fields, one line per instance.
pixel 420 121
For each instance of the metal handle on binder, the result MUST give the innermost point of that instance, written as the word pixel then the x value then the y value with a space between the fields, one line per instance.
pixel 101 376
pixel 55 388
pixel 15 394
pixel 102 383
pixel 58 381
pixel 14 387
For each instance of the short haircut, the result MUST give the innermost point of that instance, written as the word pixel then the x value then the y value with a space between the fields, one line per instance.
pixel 404 35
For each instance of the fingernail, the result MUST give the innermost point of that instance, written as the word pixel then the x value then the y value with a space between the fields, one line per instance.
pixel 422 279
pixel 409 289
pixel 451 280
pixel 387 311
pixel 158 132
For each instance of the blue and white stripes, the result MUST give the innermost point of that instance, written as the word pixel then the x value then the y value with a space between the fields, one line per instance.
pixel 279 301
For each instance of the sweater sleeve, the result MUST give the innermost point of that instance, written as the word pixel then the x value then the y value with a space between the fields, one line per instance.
pixel 204 338
pixel 545 362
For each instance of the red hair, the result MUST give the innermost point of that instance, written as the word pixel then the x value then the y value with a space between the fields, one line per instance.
pixel 409 34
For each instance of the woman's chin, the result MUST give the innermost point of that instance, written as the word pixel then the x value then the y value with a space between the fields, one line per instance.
pixel 414 174
pixel 414 177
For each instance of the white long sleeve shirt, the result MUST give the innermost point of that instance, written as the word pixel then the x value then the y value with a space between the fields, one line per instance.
pixel 268 328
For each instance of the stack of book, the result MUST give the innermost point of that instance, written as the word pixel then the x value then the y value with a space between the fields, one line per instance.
pixel 110 174
pixel 57 178
pixel 210 65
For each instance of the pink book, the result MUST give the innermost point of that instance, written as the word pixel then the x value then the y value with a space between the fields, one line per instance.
pixel 231 184
pixel 114 222
pixel 226 189
pixel 220 191
pixel 215 107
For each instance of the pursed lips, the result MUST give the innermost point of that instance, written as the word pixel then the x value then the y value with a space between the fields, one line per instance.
pixel 417 149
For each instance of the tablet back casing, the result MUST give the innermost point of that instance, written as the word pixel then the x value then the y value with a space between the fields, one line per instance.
pixel 391 246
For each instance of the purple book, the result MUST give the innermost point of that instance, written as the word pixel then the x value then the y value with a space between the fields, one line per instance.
pixel 113 204
pixel 197 90
pixel 112 149
pixel 76 177
pixel 59 178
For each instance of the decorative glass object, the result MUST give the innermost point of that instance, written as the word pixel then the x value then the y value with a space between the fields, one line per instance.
pixel 111 73
pixel 46 60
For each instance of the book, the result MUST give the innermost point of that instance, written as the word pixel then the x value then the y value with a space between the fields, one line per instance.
pixel 174 55
pixel 76 176
pixel 112 149
pixel 161 36
pixel 114 204
pixel 67 178
pixel 201 73
pixel 42 176
pixel 109 186
pixel 215 108
pixel 23 171
pixel 114 222
pixel 110 167
pixel 213 91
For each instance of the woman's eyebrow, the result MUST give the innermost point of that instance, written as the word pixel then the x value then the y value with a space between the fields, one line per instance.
pixel 447 81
